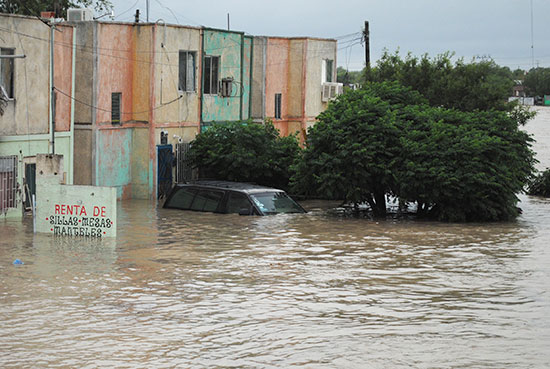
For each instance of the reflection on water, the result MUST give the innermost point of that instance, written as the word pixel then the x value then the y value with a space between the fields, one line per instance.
pixel 185 289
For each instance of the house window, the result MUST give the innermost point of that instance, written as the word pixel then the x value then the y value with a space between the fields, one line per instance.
pixel 116 99
pixel 187 71
pixel 6 73
pixel 211 66
pixel 327 69
pixel 278 106
pixel 227 86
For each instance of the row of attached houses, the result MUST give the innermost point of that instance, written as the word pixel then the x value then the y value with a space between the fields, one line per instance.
pixel 125 92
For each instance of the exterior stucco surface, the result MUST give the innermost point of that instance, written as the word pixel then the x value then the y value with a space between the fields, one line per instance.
pixel 317 51
pixel 229 47
pixel 114 160
pixel 177 106
pixel 28 111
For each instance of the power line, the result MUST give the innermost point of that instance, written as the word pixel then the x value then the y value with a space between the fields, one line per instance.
pixel 110 111
pixel 91 50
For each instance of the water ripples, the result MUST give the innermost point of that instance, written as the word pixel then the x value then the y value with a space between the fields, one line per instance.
pixel 183 289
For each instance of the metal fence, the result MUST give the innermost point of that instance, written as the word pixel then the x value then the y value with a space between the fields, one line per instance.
pixel 183 169
pixel 8 183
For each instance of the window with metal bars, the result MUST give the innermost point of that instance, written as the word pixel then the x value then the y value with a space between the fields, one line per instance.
pixel 278 98
pixel 186 71
pixel 6 73
pixel 211 68
pixel 116 99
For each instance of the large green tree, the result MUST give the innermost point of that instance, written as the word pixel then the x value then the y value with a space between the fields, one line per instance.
pixel 246 152
pixel 537 81
pixel 34 7
pixel 459 85
pixel 386 140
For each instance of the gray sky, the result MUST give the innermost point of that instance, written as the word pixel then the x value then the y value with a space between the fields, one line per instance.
pixel 500 29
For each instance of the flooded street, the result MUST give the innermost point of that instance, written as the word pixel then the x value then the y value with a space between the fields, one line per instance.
pixel 186 290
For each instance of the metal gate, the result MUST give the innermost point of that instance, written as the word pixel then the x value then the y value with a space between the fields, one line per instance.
pixel 184 171
pixel 8 183
pixel 165 159
pixel 30 183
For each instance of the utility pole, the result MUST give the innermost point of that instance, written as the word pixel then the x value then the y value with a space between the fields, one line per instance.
pixel 52 96
pixel 367 45
pixel 228 21
pixel 532 42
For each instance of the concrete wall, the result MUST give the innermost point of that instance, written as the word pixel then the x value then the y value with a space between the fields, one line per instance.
pixel 169 41
pixel 229 46
pixel 25 125
pixel 317 50
pixel 63 77
pixel 83 156
pixel 277 64
pixel 114 160
pixel 86 55
pixel 292 67
pixel 247 70
pixel 28 112
pixel 259 48
pixel 140 164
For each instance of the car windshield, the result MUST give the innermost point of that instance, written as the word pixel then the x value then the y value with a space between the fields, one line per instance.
pixel 275 202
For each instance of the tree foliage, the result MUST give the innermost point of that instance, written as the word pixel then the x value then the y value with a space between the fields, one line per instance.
pixel 537 82
pixel 245 152
pixel 34 7
pixel 465 86
pixel 348 77
pixel 540 185
pixel 386 140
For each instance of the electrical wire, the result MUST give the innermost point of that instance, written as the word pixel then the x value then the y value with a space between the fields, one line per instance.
pixel 110 111
pixel 126 11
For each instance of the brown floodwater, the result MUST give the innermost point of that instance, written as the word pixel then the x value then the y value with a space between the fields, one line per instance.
pixel 184 289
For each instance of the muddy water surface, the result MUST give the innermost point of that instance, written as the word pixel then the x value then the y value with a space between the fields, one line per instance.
pixel 184 289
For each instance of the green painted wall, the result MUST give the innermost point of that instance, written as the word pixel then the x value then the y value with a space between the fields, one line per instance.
pixel 229 46
pixel 114 150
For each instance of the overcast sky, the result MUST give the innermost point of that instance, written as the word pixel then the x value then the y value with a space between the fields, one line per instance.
pixel 500 29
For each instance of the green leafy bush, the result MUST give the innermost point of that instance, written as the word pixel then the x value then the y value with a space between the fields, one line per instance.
pixel 246 152
pixel 540 185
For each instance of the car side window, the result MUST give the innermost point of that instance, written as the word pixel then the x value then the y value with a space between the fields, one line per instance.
pixel 238 201
pixel 207 200
pixel 182 199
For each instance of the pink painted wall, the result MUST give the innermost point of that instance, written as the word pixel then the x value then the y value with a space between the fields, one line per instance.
pixel 277 64
pixel 115 69
pixel 63 64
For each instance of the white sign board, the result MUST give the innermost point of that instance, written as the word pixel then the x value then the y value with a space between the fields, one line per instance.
pixel 78 211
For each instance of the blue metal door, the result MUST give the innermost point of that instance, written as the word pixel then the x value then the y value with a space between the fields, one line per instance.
pixel 165 160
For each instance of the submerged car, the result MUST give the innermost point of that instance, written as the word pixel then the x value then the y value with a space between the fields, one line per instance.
pixel 231 198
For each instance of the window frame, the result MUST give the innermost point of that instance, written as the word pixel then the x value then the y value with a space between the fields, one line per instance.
pixel 184 69
pixel 211 74
pixel 277 113
pixel 114 112
pixel 10 91
pixel 327 70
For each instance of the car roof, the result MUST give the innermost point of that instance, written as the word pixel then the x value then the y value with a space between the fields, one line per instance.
pixel 227 185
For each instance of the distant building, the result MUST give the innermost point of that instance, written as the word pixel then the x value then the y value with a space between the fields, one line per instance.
pixel 519 89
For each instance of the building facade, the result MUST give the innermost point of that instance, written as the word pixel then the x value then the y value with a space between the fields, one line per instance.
pixel 26 124
pixel 289 78
pixel 129 93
